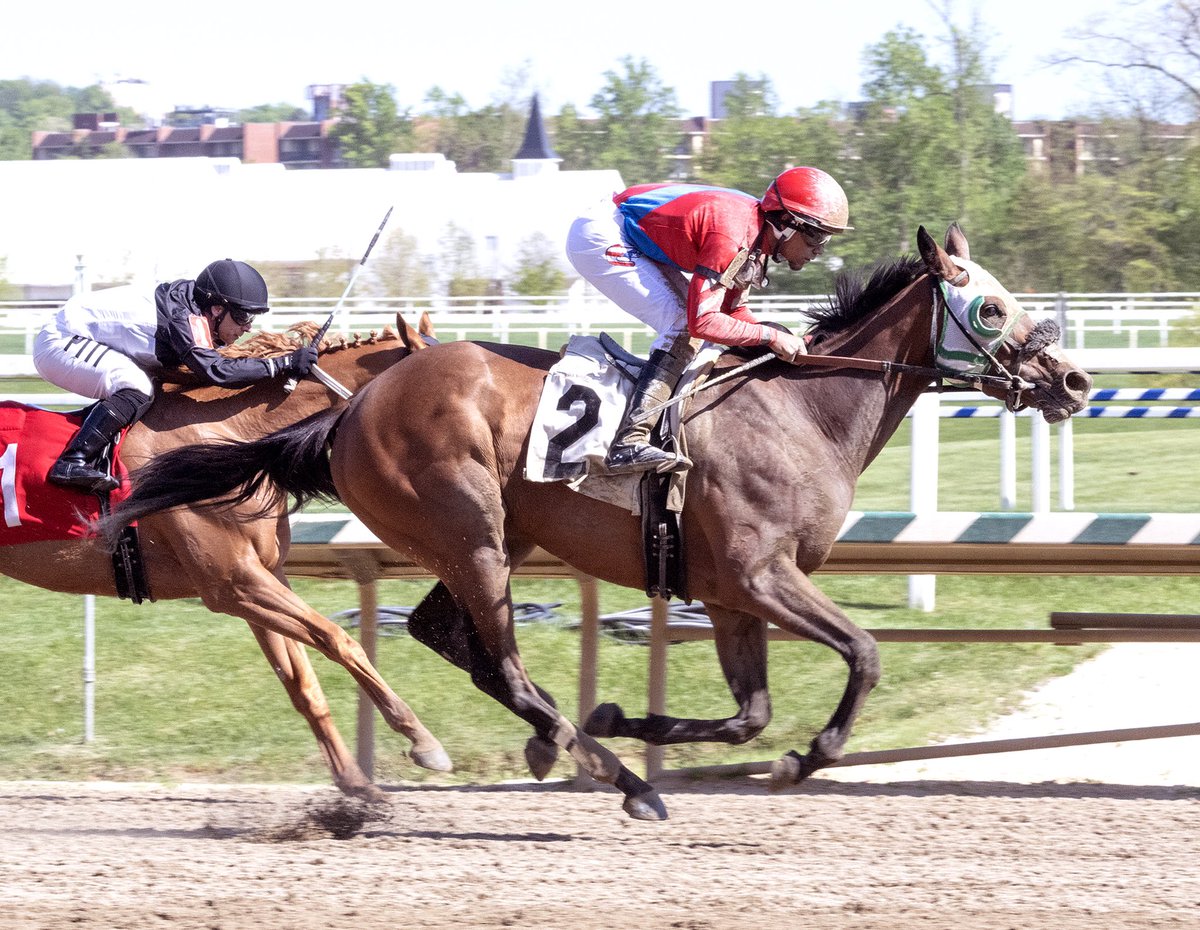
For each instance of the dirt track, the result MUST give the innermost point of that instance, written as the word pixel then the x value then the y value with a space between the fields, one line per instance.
pixel 930 855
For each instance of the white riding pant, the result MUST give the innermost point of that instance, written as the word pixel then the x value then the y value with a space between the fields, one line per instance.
pixel 654 293
pixel 84 366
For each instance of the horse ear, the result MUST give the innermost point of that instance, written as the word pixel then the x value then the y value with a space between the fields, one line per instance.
pixel 409 336
pixel 936 259
pixel 956 242
pixel 425 325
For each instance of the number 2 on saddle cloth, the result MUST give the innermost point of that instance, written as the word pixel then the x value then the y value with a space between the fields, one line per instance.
pixel 31 439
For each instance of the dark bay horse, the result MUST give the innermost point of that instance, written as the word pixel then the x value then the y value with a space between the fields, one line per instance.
pixel 235 564
pixel 777 456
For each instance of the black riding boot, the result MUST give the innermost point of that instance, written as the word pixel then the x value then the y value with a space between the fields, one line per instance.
pixel 79 465
pixel 631 450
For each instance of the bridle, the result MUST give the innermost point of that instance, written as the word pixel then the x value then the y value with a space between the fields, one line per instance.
pixel 994 372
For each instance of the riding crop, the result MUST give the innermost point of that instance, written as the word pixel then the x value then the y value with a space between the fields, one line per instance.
pixel 290 384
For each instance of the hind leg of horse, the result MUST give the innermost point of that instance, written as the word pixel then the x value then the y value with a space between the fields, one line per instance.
pixel 444 625
pixel 482 585
pixel 741 642
pixel 265 601
pixel 291 665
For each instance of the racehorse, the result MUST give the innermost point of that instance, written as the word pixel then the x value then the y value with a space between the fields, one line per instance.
pixel 235 563
pixel 777 456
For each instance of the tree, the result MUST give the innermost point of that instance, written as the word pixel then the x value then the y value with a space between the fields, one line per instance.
pixel 463 277
pixel 7 291
pixel 273 113
pixel 326 276
pixel 932 148
pixel 752 145
pixel 1150 52
pixel 398 269
pixel 635 131
pixel 370 127
pixel 27 105
pixel 479 140
pixel 537 273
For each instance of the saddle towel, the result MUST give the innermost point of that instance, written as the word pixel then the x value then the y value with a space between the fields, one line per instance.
pixel 582 403
pixel 31 439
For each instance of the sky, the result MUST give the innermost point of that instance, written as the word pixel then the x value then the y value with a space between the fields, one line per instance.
pixel 233 55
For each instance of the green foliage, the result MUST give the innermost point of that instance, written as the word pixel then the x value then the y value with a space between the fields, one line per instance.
pixel 537 272
pixel 273 113
pixel 635 132
pixel 398 269
pixel 460 267
pixel 8 291
pixel 326 276
pixel 475 140
pixel 371 127
pixel 28 105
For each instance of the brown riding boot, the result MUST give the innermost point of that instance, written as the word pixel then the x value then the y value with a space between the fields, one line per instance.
pixel 631 450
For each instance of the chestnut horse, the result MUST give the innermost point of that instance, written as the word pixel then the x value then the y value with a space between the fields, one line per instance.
pixel 777 457
pixel 235 564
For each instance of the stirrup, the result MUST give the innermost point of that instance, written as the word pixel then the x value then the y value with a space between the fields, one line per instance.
pixel 82 477
pixel 623 460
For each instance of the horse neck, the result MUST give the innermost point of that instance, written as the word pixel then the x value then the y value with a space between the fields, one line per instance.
pixel 864 409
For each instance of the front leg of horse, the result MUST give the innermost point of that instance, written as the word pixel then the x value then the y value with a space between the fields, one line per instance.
pixel 290 663
pixel 259 598
pixel 829 745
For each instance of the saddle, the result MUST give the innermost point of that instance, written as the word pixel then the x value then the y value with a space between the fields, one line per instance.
pixel 31 439
pixel 582 403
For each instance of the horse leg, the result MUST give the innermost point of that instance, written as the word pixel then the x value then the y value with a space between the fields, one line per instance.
pixel 291 664
pixel 482 585
pixel 444 625
pixel 266 602
pixel 795 604
pixel 741 641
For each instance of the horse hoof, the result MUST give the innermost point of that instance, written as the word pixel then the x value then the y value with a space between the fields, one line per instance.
pixel 645 806
pixel 369 792
pixel 540 756
pixel 604 721
pixel 436 760
pixel 786 771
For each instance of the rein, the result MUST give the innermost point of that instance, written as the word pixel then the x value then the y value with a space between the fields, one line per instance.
pixel 1045 333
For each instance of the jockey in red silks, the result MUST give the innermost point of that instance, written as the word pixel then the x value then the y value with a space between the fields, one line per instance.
pixel 638 253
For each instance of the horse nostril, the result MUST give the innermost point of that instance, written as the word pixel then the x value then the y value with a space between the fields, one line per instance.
pixel 1077 383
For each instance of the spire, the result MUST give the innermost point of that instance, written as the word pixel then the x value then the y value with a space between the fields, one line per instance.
pixel 537 143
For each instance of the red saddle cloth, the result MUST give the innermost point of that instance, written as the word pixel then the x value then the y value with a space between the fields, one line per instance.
pixel 31 439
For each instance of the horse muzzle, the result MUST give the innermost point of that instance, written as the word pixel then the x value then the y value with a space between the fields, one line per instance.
pixel 1060 396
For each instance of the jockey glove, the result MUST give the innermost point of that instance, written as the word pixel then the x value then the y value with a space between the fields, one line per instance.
pixel 301 361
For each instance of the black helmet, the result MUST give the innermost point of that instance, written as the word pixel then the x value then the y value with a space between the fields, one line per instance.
pixel 232 284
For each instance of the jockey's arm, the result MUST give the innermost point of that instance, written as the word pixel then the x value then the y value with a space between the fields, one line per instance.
pixel 716 314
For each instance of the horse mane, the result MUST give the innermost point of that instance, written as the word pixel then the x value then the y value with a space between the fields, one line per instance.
pixel 858 292
pixel 264 344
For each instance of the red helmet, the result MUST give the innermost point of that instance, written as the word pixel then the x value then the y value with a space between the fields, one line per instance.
pixel 810 196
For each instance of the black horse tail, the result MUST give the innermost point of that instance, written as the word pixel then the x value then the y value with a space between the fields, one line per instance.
pixel 294 460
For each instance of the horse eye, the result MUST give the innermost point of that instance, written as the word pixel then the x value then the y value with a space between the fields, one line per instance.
pixel 991 312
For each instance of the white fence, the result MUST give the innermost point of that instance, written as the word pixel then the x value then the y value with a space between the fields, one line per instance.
pixel 1088 320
